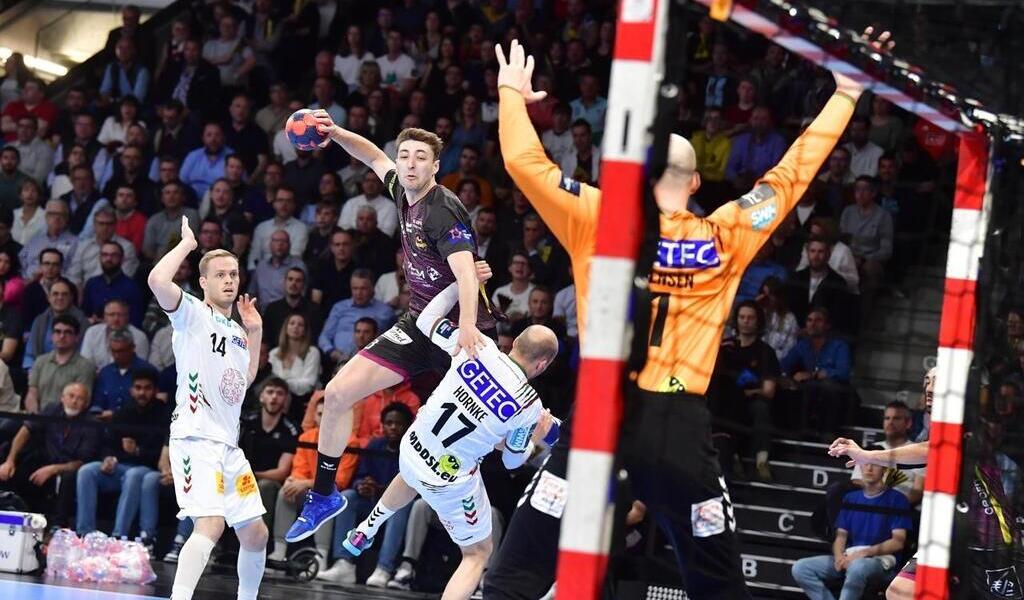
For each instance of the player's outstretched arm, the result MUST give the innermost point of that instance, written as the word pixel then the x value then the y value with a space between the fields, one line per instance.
pixel 161 277
pixel 569 209
pixel 356 145
pixel 910 454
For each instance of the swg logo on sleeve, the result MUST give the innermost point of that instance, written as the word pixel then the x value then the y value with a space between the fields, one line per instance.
pixel 478 379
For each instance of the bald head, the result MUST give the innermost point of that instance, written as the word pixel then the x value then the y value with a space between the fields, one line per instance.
pixel 681 155
pixel 534 349
pixel 680 179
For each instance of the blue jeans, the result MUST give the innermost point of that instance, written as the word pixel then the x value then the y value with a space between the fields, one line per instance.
pixel 394 530
pixel 126 479
pixel 815 572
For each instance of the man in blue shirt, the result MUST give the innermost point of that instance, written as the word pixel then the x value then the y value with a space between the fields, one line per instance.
pixel 755 151
pixel 336 339
pixel 124 76
pixel 112 284
pixel 867 545
pixel 205 165
pixel 819 365
pixel 591 107
pixel 112 389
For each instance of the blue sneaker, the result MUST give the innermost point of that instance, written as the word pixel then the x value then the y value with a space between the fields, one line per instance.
pixel 315 512
pixel 356 542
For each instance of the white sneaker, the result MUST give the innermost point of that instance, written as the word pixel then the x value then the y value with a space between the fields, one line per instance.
pixel 403 577
pixel 342 572
pixel 379 579
pixel 280 552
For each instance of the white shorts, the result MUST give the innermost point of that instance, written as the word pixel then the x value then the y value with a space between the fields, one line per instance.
pixel 212 479
pixel 462 507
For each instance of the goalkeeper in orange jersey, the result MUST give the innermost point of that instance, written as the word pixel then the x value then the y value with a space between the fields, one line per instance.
pixel 665 441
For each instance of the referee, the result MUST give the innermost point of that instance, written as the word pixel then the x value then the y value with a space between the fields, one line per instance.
pixel 665 443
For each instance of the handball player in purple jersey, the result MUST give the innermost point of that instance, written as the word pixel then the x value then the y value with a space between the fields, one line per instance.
pixel 439 250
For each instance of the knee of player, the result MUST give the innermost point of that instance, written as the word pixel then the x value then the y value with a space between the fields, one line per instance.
pixel 254 535
pixel 210 527
pixel 901 588
pixel 480 551
pixel 337 393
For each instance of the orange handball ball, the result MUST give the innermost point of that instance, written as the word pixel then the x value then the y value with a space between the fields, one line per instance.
pixel 302 132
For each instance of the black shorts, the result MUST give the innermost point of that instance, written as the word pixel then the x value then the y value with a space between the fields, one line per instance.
pixel 665 446
pixel 406 351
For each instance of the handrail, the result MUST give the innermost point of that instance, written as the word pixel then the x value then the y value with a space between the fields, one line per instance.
pixel 61 17
pixel 156 22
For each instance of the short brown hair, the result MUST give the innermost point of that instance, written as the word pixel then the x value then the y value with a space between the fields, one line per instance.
pixel 421 135
pixel 211 255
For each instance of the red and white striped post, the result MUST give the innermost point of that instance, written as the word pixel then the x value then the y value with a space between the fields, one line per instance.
pixel 587 521
pixel 956 343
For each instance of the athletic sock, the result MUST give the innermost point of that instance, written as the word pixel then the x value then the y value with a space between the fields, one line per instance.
pixel 375 521
pixel 192 559
pixel 250 572
pixel 326 471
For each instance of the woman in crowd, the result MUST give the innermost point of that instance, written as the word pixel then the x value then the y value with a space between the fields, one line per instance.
pixel 296 360
pixel 115 127
pixel 781 328
pixel 29 219
pixel 10 276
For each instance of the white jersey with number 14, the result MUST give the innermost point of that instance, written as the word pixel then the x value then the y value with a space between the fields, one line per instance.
pixel 211 354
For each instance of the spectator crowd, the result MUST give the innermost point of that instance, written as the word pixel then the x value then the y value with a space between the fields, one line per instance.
pixel 93 186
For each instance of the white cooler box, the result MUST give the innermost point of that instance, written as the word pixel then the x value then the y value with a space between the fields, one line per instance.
pixel 20 534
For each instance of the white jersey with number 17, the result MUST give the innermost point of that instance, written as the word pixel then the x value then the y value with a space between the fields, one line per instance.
pixel 478 403
pixel 212 357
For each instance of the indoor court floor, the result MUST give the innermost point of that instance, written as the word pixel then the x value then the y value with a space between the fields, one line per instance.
pixel 218 583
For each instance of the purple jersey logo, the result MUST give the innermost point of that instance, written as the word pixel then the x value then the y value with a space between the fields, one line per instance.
pixel 459 232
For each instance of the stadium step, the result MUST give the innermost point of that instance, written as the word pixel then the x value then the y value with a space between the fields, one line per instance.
pixel 767 570
pixel 795 524
pixel 804 475
pixel 897 361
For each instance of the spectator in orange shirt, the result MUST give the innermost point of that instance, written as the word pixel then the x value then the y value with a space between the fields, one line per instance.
pixel 367 425
pixel 469 168
pixel 301 480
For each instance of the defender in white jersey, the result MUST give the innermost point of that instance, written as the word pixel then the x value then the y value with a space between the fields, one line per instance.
pixel 216 359
pixel 482 404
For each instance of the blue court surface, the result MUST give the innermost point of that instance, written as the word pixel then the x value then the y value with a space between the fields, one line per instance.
pixel 26 590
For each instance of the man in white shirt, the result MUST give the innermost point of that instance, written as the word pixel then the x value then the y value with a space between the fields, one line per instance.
pixel 864 153
pixel 36 155
pixel 387 214
pixel 347 67
pixel 397 69
pixel 513 299
pixel 95 342
pixel 583 162
pixel 558 140
pixel 323 91
pixel 85 264
pixel 565 310
pixel 284 218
